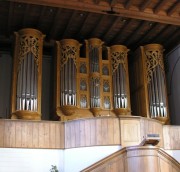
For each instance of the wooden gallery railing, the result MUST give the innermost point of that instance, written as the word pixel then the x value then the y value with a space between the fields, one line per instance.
pixel 124 131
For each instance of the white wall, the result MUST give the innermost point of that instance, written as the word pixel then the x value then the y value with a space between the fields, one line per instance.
pixel 30 160
pixel 79 158
pixel 40 160
pixel 174 153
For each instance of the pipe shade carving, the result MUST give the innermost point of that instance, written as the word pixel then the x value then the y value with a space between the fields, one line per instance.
pixel 27 71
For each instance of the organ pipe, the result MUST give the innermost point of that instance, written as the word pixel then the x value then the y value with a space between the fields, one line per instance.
pixel 27 70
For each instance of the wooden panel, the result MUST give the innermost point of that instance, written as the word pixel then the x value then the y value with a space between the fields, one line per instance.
pixel 171 137
pixel 92 132
pixel 1 133
pixel 130 132
pixel 52 135
pixel 149 126
pixel 35 141
pixel 9 139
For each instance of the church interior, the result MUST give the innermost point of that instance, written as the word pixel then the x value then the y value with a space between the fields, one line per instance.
pixel 89 85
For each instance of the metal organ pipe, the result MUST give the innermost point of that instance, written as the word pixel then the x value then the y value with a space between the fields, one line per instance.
pixel 27 84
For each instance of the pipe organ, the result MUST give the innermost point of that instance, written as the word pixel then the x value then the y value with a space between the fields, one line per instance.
pixel 84 84
pixel 27 71
pixel 95 84
pixel 152 91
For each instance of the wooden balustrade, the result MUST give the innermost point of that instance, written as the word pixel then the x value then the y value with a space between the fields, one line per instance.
pixel 124 131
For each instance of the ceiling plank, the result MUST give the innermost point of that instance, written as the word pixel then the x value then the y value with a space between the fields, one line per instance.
pixel 113 2
pixel 10 14
pixel 161 34
pixel 135 32
pixel 128 4
pixel 121 31
pixel 69 24
pixel 145 4
pixel 41 16
pixel 83 25
pixel 92 7
pixel 111 28
pixel 146 35
pixel 54 24
pixel 96 1
pixel 26 14
pixel 173 8
pixel 160 5
pixel 103 17
pixel 173 38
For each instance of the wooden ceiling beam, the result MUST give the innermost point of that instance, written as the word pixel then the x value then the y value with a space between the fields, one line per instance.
pixel 103 17
pixel 145 5
pixel 174 37
pixel 160 5
pixel 41 16
pixel 147 34
pixel 113 2
pixel 26 14
pixel 122 30
pixel 135 33
pixel 173 8
pixel 96 1
pixel 161 34
pixel 111 28
pixel 54 24
pixel 69 24
pixel 118 11
pixel 128 4
pixel 83 25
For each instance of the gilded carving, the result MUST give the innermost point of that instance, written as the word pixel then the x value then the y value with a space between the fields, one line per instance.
pixel 67 52
pixel 28 43
pixel 153 59
pixel 117 58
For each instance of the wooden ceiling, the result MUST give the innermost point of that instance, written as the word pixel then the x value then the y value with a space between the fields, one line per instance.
pixel 128 22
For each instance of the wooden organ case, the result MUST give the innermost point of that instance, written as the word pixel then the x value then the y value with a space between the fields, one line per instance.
pixel 27 75
pixel 148 86
pixel 83 85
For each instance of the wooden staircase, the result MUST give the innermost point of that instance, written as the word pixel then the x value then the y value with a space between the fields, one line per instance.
pixel 136 159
